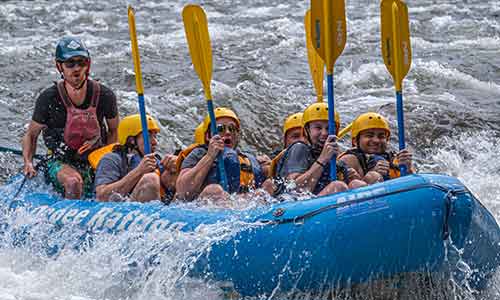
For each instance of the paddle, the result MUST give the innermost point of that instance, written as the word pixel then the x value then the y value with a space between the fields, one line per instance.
pixel 138 79
pixel 317 67
pixel 196 27
pixel 329 35
pixel 396 50
pixel 316 63
pixel 20 153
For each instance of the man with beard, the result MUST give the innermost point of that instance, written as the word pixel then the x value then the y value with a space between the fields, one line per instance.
pixel 309 164
pixel 199 176
pixel 76 116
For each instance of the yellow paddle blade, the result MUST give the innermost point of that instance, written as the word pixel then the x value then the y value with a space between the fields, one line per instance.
pixel 329 30
pixel 316 63
pixel 196 27
pixel 135 51
pixel 396 47
pixel 344 131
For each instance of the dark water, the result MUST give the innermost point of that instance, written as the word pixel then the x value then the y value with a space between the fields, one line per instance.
pixel 452 92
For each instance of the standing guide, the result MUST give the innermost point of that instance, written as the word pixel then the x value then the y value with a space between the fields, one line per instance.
pixel 76 115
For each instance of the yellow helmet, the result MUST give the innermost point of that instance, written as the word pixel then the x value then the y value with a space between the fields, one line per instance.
pixel 369 120
pixel 292 121
pixel 221 112
pixel 319 112
pixel 132 126
pixel 199 134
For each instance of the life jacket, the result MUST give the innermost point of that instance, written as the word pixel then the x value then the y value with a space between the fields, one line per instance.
pixel 132 162
pixel 342 169
pixel 276 163
pixel 82 125
pixel 243 171
pixel 95 156
pixel 368 161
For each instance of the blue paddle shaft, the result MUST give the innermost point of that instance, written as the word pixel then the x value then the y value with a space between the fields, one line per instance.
pixel 401 128
pixel 220 160
pixel 144 122
pixel 331 124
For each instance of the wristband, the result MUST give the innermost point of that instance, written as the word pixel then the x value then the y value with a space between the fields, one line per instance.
pixel 321 164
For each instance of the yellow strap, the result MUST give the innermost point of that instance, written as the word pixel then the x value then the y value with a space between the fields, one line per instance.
pixel 183 154
pixel 246 177
pixel 274 163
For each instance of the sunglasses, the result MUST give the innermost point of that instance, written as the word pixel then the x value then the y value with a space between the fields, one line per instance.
pixel 222 128
pixel 75 62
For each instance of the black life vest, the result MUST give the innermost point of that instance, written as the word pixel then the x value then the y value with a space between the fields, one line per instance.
pixel 368 161
pixel 324 180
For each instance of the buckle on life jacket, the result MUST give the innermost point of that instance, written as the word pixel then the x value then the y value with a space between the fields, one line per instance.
pixel 89 145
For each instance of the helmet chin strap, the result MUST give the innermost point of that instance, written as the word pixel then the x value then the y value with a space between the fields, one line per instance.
pixel 136 147
pixel 314 147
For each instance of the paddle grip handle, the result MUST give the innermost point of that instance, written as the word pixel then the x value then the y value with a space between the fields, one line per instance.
pixel 220 159
pixel 401 128
pixel 144 123
pixel 331 124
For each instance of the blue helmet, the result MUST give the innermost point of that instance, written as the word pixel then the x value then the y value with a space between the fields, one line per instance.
pixel 69 47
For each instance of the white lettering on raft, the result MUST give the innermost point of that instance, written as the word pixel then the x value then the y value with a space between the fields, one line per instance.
pixel 67 218
pixel 129 218
pixel 56 215
pixel 362 195
pixel 113 219
pixel 81 215
pixel 98 219
pixel 108 218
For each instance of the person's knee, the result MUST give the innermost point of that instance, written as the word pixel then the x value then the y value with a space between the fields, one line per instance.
pixel 356 183
pixel 334 187
pixel 339 186
pixel 213 189
pixel 73 186
pixel 269 186
pixel 214 192
pixel 150 181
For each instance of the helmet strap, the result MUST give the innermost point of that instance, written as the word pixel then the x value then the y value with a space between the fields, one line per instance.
pixel 308 134
pixel 136 147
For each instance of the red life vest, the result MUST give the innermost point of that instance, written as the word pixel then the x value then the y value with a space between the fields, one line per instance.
pixel 82 125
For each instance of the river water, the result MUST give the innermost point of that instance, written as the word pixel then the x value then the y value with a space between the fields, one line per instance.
pixel 260 69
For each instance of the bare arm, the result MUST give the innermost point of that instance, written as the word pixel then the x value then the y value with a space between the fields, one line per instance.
pixel 309 179
pixel 122 186
pixel 191 180
pixel 125 185
pixel 29 146
pixel 112 130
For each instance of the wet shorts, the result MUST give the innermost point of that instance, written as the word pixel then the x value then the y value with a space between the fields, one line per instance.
pixel 54 166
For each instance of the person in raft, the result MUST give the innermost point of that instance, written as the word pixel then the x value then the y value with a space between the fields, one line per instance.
pixel 308 164
pixel 76 116
pixel 369 155
pixel 199 176
pixel 292 133
pixel 126 171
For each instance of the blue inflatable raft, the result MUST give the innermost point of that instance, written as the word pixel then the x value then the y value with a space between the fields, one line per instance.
pixel 401 226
